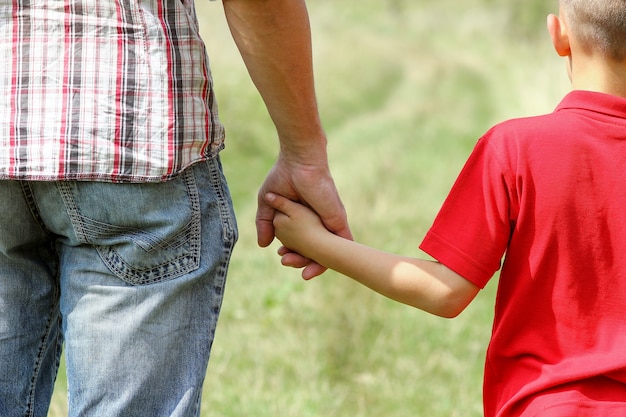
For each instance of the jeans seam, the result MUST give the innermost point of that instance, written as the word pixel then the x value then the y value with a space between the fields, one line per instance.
pixel 72 211
pixel 228 230
pixel 33 208
pixel 41 353
pixel 31 203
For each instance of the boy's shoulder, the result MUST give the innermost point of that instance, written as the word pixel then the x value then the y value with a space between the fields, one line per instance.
pixel 529 128
pixel 579 114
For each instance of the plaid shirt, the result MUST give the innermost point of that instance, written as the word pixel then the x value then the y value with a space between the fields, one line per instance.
pixel 109 90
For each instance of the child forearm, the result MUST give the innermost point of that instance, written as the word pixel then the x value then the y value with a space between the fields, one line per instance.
pixel 427 285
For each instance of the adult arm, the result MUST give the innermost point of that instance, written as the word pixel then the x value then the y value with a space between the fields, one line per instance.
pixel 274 39
pixel 427 285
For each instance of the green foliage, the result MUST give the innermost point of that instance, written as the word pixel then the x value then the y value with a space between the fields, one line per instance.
pixel 529 16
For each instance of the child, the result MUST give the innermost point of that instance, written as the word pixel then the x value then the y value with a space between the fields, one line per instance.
pixel 550 193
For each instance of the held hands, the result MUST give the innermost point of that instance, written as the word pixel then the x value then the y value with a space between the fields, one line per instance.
pixel 296 226
pixel 300 230
pixel 311 184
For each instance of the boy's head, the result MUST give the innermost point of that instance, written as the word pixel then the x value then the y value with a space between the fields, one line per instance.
pixel 599 26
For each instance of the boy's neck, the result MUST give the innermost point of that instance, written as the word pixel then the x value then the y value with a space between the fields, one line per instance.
pixel 600 75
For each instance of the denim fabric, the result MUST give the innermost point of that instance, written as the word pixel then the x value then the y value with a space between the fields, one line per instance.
pixel 130 276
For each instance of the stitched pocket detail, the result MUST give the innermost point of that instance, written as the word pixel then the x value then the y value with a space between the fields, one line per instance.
pixel 144 233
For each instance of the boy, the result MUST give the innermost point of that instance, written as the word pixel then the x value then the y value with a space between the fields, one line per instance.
pixel 548 192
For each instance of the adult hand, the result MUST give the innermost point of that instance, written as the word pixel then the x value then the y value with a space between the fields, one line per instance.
pixel 311 184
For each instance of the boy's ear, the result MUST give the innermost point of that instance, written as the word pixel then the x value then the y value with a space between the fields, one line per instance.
pixel 559 35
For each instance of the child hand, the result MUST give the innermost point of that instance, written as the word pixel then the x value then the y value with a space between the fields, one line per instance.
pixel 298 228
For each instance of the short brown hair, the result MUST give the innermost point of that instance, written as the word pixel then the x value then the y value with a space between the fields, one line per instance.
pixel 599 24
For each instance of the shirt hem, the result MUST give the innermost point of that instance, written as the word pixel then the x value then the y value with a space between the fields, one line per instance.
pixel 107 177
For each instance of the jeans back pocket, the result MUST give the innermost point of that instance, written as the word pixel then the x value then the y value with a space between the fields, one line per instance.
pixel 144 233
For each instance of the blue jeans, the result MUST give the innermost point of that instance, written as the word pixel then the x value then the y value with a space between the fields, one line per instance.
pixel 129 276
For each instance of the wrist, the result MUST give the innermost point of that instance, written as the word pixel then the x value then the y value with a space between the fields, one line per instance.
pixel 309 150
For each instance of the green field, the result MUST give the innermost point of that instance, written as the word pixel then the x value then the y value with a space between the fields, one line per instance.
pixel 405 89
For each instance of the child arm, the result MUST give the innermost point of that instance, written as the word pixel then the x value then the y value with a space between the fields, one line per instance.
pixel 427 285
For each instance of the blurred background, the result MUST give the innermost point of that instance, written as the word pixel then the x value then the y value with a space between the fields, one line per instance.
pixel 405 89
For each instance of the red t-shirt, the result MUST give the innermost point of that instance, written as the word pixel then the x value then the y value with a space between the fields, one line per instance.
pixel 550 192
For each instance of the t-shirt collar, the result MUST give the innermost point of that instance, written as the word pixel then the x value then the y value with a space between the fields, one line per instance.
pixel 594 101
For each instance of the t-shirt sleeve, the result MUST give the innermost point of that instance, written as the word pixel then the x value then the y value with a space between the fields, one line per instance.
pixel 471 231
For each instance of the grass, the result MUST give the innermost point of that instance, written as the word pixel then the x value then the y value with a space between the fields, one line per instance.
pixel 405 89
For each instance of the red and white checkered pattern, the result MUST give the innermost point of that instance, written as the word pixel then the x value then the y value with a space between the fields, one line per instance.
pixel 110 90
